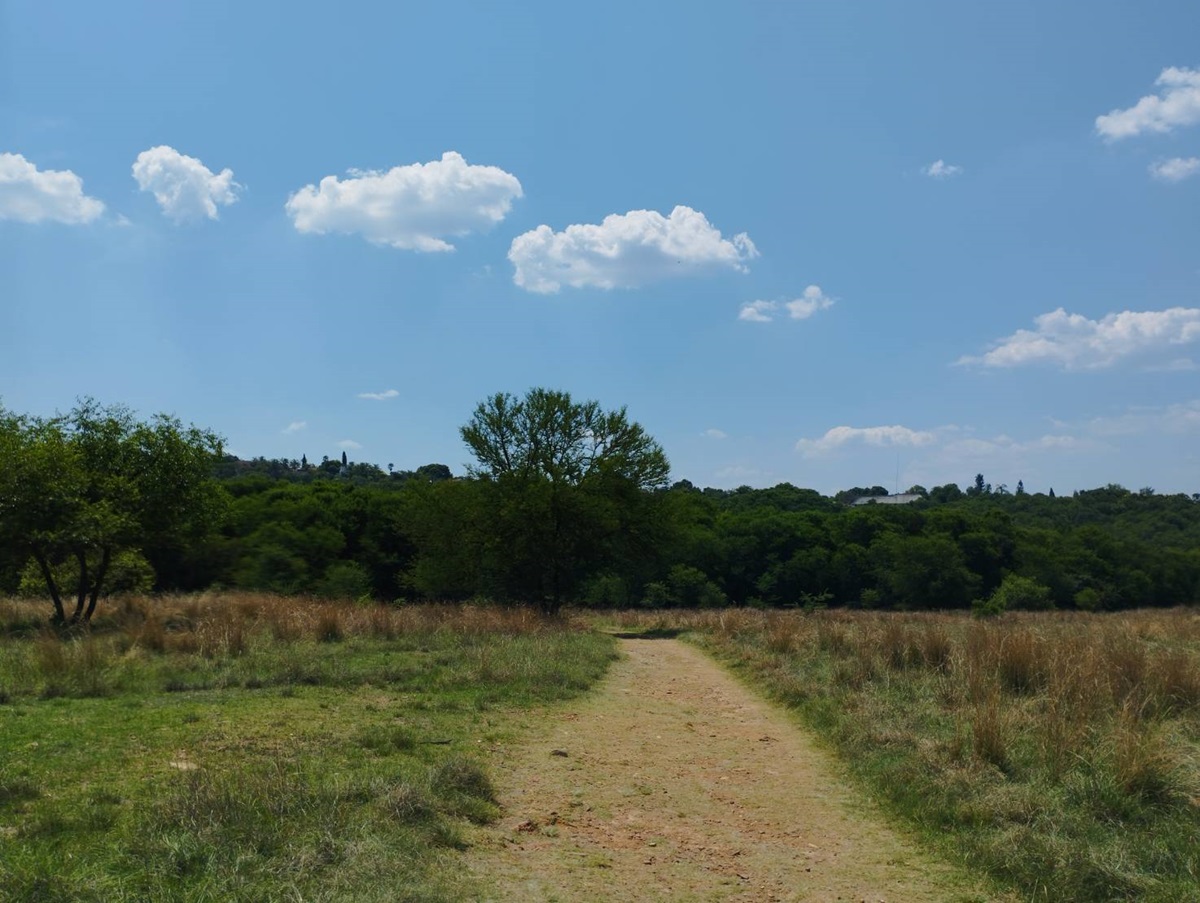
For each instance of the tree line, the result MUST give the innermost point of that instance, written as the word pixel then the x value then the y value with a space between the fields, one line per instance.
pixel 567 503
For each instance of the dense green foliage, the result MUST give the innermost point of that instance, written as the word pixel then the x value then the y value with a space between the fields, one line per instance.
pixel 568 504
pixel 80 490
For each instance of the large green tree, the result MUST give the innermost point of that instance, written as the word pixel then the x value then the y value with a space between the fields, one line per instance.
pixel 81 487
pixel 567 492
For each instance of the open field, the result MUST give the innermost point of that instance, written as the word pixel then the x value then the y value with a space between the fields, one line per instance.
pixel 1059 753
pixel 251 747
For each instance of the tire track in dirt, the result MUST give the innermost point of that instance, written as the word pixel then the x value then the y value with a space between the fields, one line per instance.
pixel 674 782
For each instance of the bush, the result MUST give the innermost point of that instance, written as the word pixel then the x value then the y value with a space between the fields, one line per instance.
pixel 1015 593
pixel 346 580
pixel 605 591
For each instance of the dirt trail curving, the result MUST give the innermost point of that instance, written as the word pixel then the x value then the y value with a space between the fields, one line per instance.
pixel 675 782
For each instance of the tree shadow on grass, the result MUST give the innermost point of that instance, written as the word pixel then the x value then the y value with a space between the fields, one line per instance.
pixel 650 633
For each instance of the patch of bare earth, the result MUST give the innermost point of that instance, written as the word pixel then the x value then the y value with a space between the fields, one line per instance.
pixel 675 782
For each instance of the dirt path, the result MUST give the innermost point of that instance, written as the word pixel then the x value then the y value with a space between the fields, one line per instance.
pixel 675 782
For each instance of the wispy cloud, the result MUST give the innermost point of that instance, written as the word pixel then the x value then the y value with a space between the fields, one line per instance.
pixel 1176 169
pixel 626 250
pixel 1075 342
pixel 30 195
pixel 869 435
pixel 1176 104
pixel 716 434
pixel 296 426
pixel 1174 419
pixel 184 188
pixel 940 169
pixel 811 301
pixel 413 208
pixel 349 445
pixel 380 396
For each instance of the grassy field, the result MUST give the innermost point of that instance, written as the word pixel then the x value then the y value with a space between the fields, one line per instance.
pixel 1059 753
pixel 248 747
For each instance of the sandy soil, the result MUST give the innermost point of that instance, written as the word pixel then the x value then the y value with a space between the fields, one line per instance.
pixel 673 781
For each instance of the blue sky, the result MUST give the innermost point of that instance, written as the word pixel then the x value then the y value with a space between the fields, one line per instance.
pixel 826 243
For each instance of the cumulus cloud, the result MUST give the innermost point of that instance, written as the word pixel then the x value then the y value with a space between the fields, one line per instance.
pixel 869 435
pixel 940 169
pixel 758 311
pixel 1176 169
pixel 380 396
pixel 716 434
pixel 1176 104
pixel 30 195
pixel 1074 342
pixel 296 426
pixel 811 301
pixel 627 250
pixel 185 189
pixel 413 208
pixel 349 444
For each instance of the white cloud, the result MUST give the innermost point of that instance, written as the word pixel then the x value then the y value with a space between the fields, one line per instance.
pixel 30 195
pixel 1176 169
pixel 296 426
pixel 185 189
pixel 870 435
pixel 758 311
pixel 716 434
pixel 809 303
pixel 625 251
pixel 349 444
pixel 380 396
pixel 413 208
pixel 972 447
pixel 800 308
pixel 1176 104
pixel 1077 343
pixel 940 169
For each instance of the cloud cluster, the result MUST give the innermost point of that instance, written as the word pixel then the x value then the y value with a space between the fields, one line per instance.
pixel 811 301
pixel 413 208
pixel 380 396
pixel 30 195
pixel 1075 342
pixel 625 251
pixel 869 435
pixel 940 169
pixel 1176 104
pixel 1176 169
pixel 185 189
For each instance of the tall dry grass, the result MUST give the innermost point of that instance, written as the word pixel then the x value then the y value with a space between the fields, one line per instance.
pixel 215 639
pixel 1060 750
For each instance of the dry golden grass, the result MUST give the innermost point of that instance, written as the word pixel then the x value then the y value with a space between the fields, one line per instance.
pixel 1060 750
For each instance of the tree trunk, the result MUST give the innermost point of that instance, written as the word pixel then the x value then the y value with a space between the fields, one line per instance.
pixel 48 575
pixel 82 587
pixel 101 571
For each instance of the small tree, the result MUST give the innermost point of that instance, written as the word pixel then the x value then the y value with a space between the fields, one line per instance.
pixel 81 488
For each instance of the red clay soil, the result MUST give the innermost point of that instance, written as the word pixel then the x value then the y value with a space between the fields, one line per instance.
pixel 673 781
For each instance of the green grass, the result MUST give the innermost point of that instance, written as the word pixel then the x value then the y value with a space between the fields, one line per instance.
pixel 258 749
pixel 1059 754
